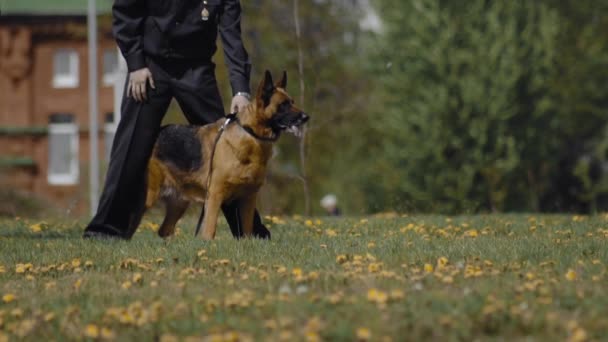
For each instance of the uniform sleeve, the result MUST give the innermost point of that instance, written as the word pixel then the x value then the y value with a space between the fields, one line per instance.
pixel 237 58
pixel 127 26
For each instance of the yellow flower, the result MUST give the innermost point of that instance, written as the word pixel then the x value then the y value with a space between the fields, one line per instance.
pixel 75 263
pixel 374 267
pixel 297 272
pixel 107 334
pixel 77 284
pixel 340 259
pixel 471 233
pixel 331 232
pixel 376 296
pixel 397 294
pixel 571 275
pixel 442 262
pixel 2 269
pixel 22 268
pixel 9 297
pixel 168 338
pixel 312 336
pixel 126 285
pixel 36 228
pixel 363 334
pixel 428 268
pixel 91 331
pixel 137 278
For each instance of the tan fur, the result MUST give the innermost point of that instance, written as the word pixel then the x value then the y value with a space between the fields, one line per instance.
pixel 239 169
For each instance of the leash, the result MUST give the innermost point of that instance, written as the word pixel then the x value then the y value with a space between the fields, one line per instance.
pixel 229 118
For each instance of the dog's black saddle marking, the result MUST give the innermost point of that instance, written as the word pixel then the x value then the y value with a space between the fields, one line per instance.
pixel 180 146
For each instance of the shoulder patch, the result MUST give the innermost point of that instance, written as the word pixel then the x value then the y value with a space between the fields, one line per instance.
pixel 180 146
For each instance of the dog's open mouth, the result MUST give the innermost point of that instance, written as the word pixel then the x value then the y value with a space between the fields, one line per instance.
pixel 295 130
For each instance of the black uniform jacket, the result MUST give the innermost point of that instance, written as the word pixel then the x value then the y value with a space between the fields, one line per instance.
pixel 175 30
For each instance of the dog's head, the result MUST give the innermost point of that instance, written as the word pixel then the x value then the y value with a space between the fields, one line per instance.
pixel 277 107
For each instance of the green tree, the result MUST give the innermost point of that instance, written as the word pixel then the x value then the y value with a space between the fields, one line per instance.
pixel 467 116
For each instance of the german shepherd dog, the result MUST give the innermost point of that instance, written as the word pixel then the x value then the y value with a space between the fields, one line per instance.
pixel 235 155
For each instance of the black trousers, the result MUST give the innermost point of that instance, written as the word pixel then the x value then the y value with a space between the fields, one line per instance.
pixel 122 202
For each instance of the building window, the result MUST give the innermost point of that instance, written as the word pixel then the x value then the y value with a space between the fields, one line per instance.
pixel 109 130
pixel 65 69
pixel 110 67
pixel 63 150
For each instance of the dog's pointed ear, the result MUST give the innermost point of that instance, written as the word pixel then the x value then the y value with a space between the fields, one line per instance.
pixel 283 82
pixel 266 89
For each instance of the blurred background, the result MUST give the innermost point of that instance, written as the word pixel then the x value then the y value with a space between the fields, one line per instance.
pixel 437 106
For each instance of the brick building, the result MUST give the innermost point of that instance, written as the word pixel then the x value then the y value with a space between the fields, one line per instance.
pixel 44 113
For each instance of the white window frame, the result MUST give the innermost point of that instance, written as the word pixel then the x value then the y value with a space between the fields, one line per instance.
pixel 71 177
pixel 109 77
pixel 72 79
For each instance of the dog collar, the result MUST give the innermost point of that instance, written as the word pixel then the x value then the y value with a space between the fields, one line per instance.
pixel 275 136
pixel 232 117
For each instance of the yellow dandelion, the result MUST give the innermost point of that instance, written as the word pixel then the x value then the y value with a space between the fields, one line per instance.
pixel 168 338
pixel 397 294
pixel 107 334
pixel 374 267
pixel 312 336
pixel 91 331
pixel 137 278
pixel 37 227
pixel 126 285
pixel 428 268
pixel 77 284
pixel 340 259
pixel 48 317
pixel 377 296
pixel 473 233
pixel 447 279
pixel 76 263
pixel 297 272
pixel 331 233
pixel 442 262
pixel 363 334
pixel 571 275
pixel 9 297
pixel 88 263
pixel 309 223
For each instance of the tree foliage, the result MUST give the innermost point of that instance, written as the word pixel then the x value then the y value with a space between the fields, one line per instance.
pixel 486 105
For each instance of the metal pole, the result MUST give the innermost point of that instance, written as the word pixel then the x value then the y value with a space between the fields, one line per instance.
pixel 93 108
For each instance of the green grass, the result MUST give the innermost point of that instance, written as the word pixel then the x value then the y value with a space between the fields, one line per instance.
pixel 415 278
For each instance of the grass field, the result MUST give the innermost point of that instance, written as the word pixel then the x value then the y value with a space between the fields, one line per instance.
pixel 387 278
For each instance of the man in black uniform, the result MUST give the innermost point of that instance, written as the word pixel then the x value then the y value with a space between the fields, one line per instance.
pixel 168 46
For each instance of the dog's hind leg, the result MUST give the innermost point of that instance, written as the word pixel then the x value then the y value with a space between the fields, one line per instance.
pixel 247 211
pixel 175 209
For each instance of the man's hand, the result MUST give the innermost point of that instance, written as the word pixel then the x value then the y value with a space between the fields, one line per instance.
pixel 138 81
pixel 239 102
